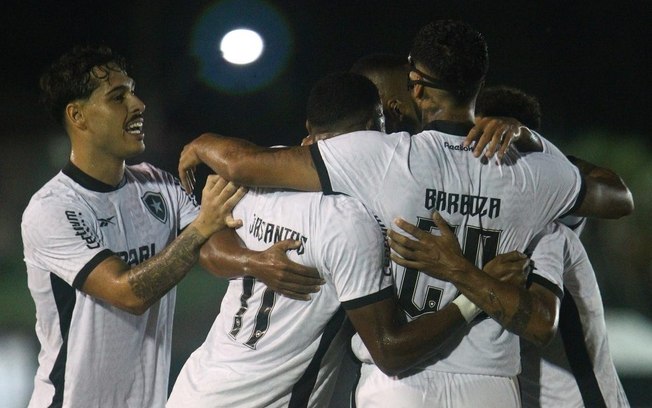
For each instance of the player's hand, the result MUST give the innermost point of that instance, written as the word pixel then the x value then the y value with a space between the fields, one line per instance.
pixel 512 267
pixel 280 274
pixel 218 199
pixel 438 256
pixel 495 134
pixel 188 162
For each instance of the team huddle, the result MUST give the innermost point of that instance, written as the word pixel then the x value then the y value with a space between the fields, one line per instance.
pixel 419 248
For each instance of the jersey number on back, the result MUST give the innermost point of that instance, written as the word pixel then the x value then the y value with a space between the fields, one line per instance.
pixel 480 247
pixel 262 316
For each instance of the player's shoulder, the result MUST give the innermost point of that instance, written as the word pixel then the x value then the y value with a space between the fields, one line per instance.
pixel 545 158
pixel 59 195
pixel 147 172
pixel 59 190
pixel 347 216
pixel 366 139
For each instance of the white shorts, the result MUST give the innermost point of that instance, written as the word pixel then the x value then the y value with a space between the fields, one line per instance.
pixel 429 389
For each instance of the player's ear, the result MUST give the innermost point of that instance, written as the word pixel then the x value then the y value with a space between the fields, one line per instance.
pixel 416 90
pixel 308 127
pixel 394 108
pixel 74 115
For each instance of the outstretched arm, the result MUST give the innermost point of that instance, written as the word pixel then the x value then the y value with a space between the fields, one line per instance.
pixel 531 314
pixel 136 289
pixel 248 164
pixel 224 255
pixel 607 195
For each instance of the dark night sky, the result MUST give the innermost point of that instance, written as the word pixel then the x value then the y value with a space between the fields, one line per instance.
pixel 587 64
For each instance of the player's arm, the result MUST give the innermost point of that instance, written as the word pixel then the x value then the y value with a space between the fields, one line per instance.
pixel 397 346
pixel 136 289
pixel 606 196
pixel 226 256
pixel 248 164
pixel 531 314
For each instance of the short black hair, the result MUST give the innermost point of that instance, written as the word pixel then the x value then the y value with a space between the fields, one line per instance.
pixel 455 53
pixel 507 101
pixel 71 77
pixel 341 97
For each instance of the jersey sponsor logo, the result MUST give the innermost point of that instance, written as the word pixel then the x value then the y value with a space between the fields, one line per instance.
pixel 135 256
pixel 464 204
pixel 156 205
pixel 386 247
pixel 81 229
pixel 106 221
pixel 459 147
pixel 272 233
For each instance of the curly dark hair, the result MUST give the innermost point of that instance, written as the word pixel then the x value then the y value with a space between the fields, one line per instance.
pixel 341 97
pixel 512 102
pixel 71 77
pixel 455 53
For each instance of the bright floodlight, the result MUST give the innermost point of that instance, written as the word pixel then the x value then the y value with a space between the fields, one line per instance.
pixel 241 46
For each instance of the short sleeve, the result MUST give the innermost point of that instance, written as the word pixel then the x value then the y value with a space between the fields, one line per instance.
pixel 354 254
pixel 548 259
pixel 62 239
pixel 559 185
pixel 188 207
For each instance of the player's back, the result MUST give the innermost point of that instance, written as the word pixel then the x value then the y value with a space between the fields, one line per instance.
pixel 265 349
pixel 493 208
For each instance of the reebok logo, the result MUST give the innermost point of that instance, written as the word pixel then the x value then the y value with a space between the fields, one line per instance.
pixel 106 221
pixel 459 147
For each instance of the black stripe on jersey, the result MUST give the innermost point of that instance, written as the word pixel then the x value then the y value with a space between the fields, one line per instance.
pixel 303 388
pixel 540 280
pixel 318 161
pixel 82 275
pixel 89 182
pixel 579 200
pixel 64 297
pixel 369 299
pixel 572 335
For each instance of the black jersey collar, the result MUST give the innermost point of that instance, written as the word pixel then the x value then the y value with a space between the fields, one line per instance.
pixel 87 181
pixel 452 128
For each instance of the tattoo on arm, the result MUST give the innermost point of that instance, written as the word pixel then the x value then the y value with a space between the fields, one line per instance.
pixel 499 310
pixel 521 317
pixel 154 277
pixel 523 313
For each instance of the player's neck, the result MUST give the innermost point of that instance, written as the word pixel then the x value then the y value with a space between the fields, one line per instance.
pixel 107 170
pixel 445 112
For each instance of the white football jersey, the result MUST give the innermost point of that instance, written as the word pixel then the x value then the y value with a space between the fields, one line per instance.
pixel 267 350
pixel 576 368
pixel 93 354
pixel 492 208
